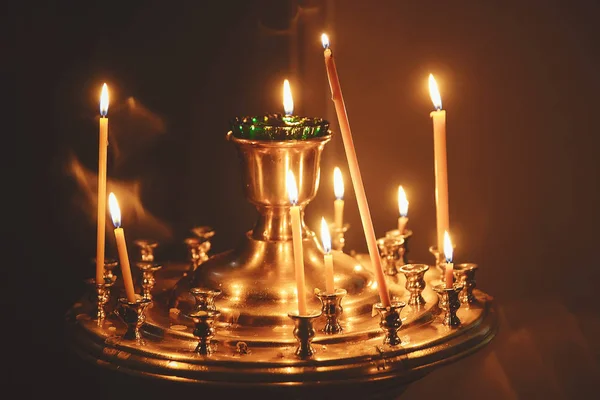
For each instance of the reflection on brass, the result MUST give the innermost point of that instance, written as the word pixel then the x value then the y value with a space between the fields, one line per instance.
pixel 465 274
pixel 134 316
pixel 449 303
pixel 331 307
pixel 390 321
pixel 204 321
pixel 415 282
pixel 304 333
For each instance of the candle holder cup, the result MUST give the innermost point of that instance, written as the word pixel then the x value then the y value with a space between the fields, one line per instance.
pixel 331 308
pixel 204 330
pixel 338 236
pixel 406 235
pixel 449 303
pixel 148 269
pixel 134 316
pixel 197 251
pixel 205 298
pixel 465 274
pixel 146 247
pixel 415 282
pixel 304 332
pixel 390 321
pixel 391 251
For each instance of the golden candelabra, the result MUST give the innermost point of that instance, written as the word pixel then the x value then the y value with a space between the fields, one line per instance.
pixel 230 320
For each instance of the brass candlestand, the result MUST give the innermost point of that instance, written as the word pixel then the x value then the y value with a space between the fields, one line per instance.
pixel 254 282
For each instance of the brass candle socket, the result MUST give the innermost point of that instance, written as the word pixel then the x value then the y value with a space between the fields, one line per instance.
pixel 134 316
pixel 390 321
pixel 304 332
pixel 197 251
pixel 100 296
pixel 331 307
pixel 415 282
pixel 338 236
pixel 406 235
pixel 148 269
pixel 449 303
pixel 465 274
pixel 146 247
pixel 109 265
pixel 391 250
pixel 205 298
pixel 204 330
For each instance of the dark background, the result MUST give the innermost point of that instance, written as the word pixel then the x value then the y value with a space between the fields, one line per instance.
pixel 520 84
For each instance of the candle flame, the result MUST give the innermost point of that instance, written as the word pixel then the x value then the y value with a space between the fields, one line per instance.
pixel 402 202
pixel 448 250
pixel 325 41
pixel 325 236
pixel 288 100
pixel 104 101
pixel 434 93
pixel 292 189
pixel 338 183
pixel 115 210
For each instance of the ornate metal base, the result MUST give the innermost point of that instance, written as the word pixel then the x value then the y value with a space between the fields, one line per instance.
pixel 354 357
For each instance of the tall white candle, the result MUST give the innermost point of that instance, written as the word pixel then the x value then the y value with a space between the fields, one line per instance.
pixel 115 213
pixel 102 155
pixel 441 165
pixel 448 253
pixel 359 189
pixel 327 257
pixel 292 190
pixel 403 208
pixel 338 203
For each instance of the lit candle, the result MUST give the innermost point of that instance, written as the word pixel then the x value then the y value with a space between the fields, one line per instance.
pixel 115 213
pixel 292 190
pixel 403 208
pixel 328 257
pixel 102 150
pixel 361 198
pixel 288 100
pixel 448 252
pixel 338 203
pixel 441 167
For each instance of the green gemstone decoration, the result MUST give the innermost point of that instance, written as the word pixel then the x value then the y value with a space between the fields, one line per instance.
pixel 279 127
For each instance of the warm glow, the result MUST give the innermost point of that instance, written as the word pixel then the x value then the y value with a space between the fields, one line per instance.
pixel 402 202
pixel 104 101
pixel 338 183
pixel 325 236
pixel 434 92
pixel 292 189
pixel 115 211
pixel 448 250
pixel 325 40
pixel 288 100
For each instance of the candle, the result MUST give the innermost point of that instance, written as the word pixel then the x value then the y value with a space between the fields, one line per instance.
pixel 292 190
pixel 441 168
pixel 115 213
pixel 102 150
pixel 338 203
pixel 363 206
pixel 403 208
pixel 448 252
pixel 328 257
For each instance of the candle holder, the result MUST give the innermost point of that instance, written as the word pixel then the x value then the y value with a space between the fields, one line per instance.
pixel 204 330
pixel 465 274
pixel 449 303
pixel 205 298
pixel 390 321
pixel 203 232
pixel 332 309
pixel 338 236
pixel 391 251
pixel 415 282
pixel 148 269
pixel 99 296
pixel 134 316
pixel 197 251
pixel 304 332
pixel 439 257
pixel 109 265
pixel 146 247
pixel 406 235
